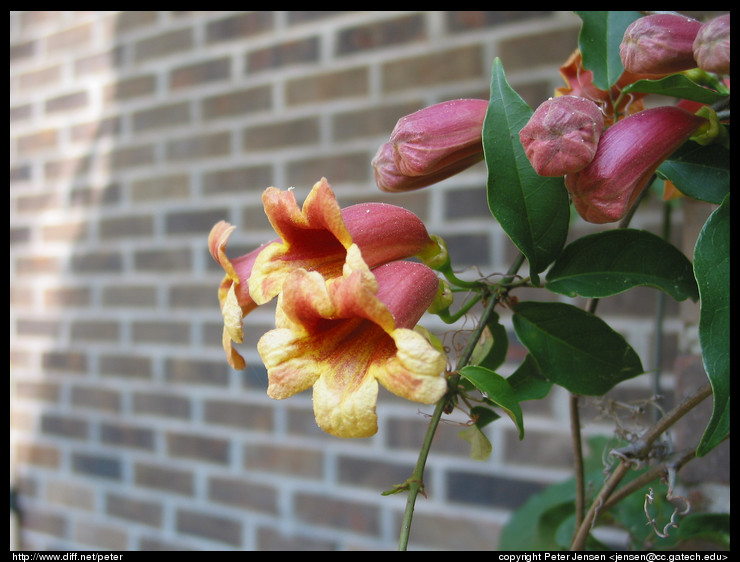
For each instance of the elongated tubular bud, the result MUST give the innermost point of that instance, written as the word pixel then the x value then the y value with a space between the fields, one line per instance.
pixel 629 153
pixel 431 144
pixel 659 44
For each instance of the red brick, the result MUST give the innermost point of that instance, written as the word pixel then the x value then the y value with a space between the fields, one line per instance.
pixel 42 391
pixel 40 520
pixel 165 405
pixel 70 495
pixel 160 116
pixel 462 63
pixel 96 130
pixel 39 141
pixel 66 102
pixel 37 454
pixel 199 146
pixel 173 186
pixel 460 22
pixel 327 86
pixel 276 135
pixel 246 415
pixel 200 73
pixel 95 398
pixel 238 180
pixel 323 511
pixel 64 426
pixel 135 510
pixel 129 296
pixel 64 232
pixel 37 328
pixel 189 371
pixel 69 361
pixel 102 536
pixel 212 527
pixel 165 479
pixel 99 466
pixel 240 102
pixel 126 227
pixel 130 88
pixel 240 493
pixel 99 63
pixel 163 261
pixel 70 39
pixel 541 48
pixel 129 366
pixel 276 459
pixel 300 51
pixel 39 79
pixel 125 435
pixel 382 34
pixel 200 447
pixel 163 44
pixel 240 26
pixel 338 169
pixel 160 332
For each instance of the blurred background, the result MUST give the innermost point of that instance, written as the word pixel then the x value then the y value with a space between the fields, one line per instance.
pixel 131 134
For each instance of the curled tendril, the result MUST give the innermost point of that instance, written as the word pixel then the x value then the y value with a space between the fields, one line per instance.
pixel 670 496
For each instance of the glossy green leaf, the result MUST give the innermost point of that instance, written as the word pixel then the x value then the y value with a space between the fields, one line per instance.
pixel 701 172
pixel 533 210
pixel 712 270
pixel 527 381
pixel 613 261
pixel 573 348
pixel 599 40
pixel 492 346
pixel 676 86
pixel 498 391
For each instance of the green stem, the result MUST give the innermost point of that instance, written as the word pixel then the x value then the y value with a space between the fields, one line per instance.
pixel 415 482
pixel 449 318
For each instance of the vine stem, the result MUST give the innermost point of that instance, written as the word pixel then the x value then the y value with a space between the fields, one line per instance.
pixel 416 481
pixel 639 451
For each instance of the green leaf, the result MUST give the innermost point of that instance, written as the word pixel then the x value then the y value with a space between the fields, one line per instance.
pixel 527 381
pixel 529 528
pixel 533 210
pixel 492 346
pixel 480 445
pixel 599 40
pixel 574 348
pixel 712 270
pixel 701 172
pixel 613 261
pixel 708 526
pixel 498 390
pixel 677 86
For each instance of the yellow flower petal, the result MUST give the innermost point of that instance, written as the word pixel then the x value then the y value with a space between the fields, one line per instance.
pixel 339 337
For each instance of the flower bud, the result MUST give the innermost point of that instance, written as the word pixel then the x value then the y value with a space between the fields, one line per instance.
pixel 712 45
pixel 659 44
pixel 629 153
pixel 580 82
pixel 562 135
pixel 431 144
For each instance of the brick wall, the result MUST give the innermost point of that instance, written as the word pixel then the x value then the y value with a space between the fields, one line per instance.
pixel 132 133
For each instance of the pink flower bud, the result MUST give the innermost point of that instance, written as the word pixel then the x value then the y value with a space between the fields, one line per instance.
pixel 712 45
pixel 562 135
pixel 659 44
pixel 431 144
pixel 629 152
